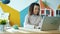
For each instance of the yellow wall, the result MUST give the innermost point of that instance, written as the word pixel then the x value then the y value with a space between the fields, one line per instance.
pixel 14 14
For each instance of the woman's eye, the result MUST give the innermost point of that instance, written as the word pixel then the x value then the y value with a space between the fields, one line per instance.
pixel 35 8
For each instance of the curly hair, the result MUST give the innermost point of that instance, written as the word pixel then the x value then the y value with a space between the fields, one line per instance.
pixel 31 8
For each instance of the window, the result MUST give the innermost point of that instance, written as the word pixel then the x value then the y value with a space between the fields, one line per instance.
pixel 46 12
pixel 57 12
pixel 42 11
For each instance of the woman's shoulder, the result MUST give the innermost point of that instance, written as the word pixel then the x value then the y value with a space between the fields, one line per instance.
pixel 40 16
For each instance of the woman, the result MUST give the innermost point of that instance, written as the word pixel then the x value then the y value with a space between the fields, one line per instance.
pixel 33 19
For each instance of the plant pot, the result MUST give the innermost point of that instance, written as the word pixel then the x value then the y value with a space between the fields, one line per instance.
pixel 2 28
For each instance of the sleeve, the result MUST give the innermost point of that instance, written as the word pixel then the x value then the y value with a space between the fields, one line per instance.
pixel 26 23
pixel 40 23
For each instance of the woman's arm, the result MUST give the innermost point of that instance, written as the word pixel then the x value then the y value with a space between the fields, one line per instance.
pixel 27 24
pixel 40 23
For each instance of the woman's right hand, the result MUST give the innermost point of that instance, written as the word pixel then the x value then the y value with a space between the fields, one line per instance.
pixel 36 27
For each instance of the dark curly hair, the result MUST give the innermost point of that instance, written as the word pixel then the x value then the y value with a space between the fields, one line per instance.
pixel 31 8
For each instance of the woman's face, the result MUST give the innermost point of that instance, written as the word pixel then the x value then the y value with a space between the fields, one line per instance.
pixel 36 9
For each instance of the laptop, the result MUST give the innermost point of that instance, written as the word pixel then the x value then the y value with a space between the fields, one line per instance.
pixel 50 23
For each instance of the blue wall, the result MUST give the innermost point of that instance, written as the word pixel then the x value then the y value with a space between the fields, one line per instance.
pixel 22 15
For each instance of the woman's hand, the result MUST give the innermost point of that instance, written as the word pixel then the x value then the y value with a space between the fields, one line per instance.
pixel 36 27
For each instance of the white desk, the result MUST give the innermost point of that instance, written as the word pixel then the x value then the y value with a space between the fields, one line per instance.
pixel 29 31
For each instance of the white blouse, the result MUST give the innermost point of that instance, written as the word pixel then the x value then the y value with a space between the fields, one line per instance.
pixel 33 21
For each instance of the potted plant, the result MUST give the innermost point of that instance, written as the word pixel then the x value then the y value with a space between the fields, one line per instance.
pixel 3 23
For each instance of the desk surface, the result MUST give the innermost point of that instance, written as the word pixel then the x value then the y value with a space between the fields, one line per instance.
pixel 29 31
